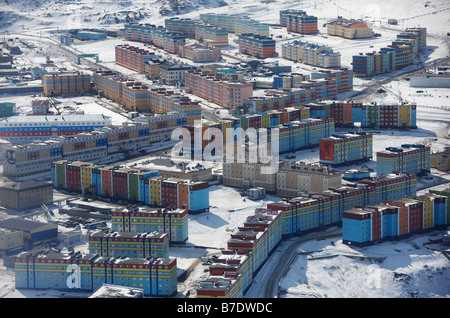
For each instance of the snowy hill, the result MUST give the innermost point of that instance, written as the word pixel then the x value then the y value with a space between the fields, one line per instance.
pixel 91 13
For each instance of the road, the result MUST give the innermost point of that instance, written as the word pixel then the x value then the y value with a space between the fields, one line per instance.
pixel 266 282
pixel 376 84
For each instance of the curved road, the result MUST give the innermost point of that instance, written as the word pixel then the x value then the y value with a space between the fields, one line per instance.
pixel 266 282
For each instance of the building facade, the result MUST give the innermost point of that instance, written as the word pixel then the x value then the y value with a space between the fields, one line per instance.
pixel 26 195
pixel 345 149
pixel 66 84
pixel 257 46
pixel 133 57
pixel 407 158
pixel 49 268
pixel 349 28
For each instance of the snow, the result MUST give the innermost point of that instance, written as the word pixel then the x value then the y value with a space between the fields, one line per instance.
pixel 323 268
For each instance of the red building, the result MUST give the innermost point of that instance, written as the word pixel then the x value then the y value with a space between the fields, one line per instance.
pixel 133 57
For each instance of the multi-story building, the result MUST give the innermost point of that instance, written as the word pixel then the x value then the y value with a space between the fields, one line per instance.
pixel 163 100
pixel 392 220
pixel 7 109
pixel 133 57
pixel 236 24
pixel 344 149
pixel 349 28
pixel 298 21
pixel 11 241
pixel 350 113
pixel 156 35
pixel 26 194
pixel 49 268
pixel 257 46
pixel 211 35
pixel 288 181
pixel 309 53
pixel 225 93
pixel 173 222
pixel 200 53
pixel 24 129
pixel 129 244
pixel 138 96
pixel 26 159
pixel 295 178
pixel 441 160
pixel 231 274
pixel 407 158
pixel 174 74
pixel 183 26
pixel 399 54
pixel 66 84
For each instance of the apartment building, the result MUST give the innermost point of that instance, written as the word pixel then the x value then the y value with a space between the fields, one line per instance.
pixel 298 21
pixel 257 46
pixel 349 113
pixel 410 158
pixel 25 195
pixel 236 24
pixel 156 35
pixel 129 244
pixel 66 84
pixel 211 35
pixel 51 269
pixel 133 57
pixel 309 53
pixel 213 88
pixel 349 28
pixel 200 53
pixel 344 149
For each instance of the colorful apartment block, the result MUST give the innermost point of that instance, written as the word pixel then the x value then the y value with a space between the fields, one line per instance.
pixel 173 222
pixel 399 54
pixel 200 53
pixel 66 84
pixel 257 46
pixel 211 35
pixel 312 54
pixel 298 21
pixel 350 113
pixel 215 89
pixel 31 158
pixel 392 220
pixel 183 26
pixel 78 272
pixel 156 35
pixel 324 85
pixel 232 273
pixel 133 57
pixel 131 184
pixel 236 24
pixel 344 149
pixel 24 129
pixel 163 100
pixel 349 28
pixel 407 158
pixel 129 244
pixel 137 96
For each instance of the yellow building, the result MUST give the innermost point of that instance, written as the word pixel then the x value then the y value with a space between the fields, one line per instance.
pixel 349 28
pixel 26 195
pixel 10 240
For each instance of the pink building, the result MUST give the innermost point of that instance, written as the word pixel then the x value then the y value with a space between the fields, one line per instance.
pixel 215 89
